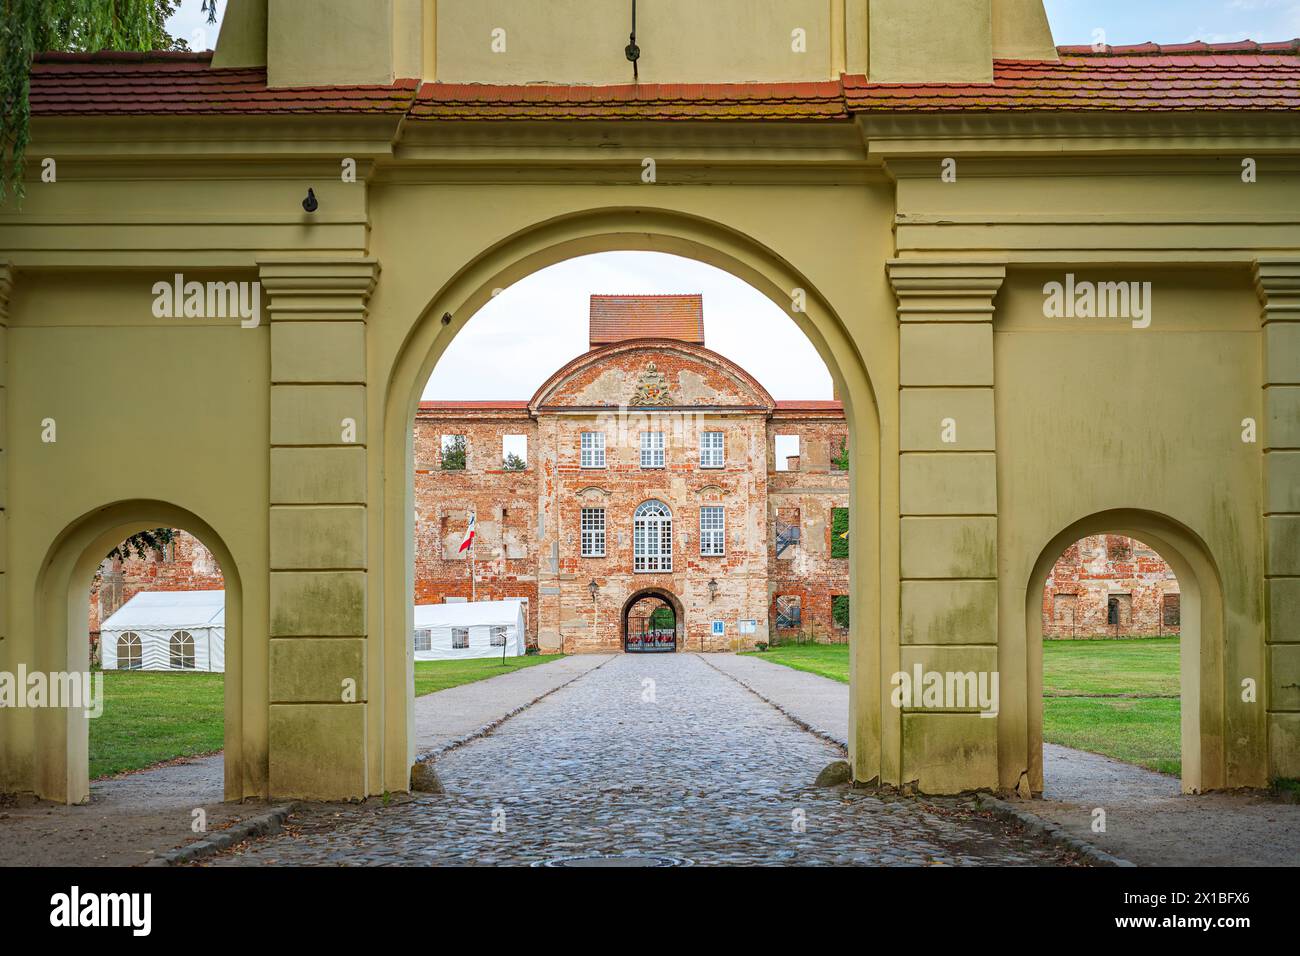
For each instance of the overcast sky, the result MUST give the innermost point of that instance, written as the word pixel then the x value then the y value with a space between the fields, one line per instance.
pixel 540 323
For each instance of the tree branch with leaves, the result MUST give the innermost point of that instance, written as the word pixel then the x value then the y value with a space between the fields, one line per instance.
pixel 28 27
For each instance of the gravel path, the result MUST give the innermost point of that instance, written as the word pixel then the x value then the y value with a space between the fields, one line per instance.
pixel 129 820
pixel 1149 820
pixel 659 757
pixel 817 702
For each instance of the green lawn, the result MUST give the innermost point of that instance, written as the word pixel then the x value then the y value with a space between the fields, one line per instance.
pixel 826 660
pixel 151 717
pixel 1140 730
pixel 1142 667
pixel 1113 697
pixel 433 676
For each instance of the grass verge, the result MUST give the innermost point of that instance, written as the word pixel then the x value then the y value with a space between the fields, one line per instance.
pixel 1115 698
pixel 150 717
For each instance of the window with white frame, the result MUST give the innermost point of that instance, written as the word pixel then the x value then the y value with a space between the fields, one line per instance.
pixel 423 639
pixel 593 532
pixel 593 450
pixel 182 651
pixel 652 449
pixel 713 531
pixel 129 652
pixel 460 637
pixel 652 537
pixel 498 635
pixel 711 453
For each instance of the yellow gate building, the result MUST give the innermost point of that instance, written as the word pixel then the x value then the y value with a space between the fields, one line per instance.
pixel 1058 291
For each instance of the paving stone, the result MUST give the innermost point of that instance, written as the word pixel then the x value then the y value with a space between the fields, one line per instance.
pixel 708 772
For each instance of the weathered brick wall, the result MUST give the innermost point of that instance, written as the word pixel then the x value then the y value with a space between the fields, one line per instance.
pixel 505 502
pixel 810 490
pixel 1097 568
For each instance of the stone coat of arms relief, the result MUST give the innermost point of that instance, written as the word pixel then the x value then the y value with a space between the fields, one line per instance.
pixel 652 388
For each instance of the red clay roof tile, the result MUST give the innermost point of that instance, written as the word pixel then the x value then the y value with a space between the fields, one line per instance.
pixel 455 405
pixel 1149 77
pixel 614 318
pixel 102 84
pixel 1146 77
pixel 809 405
pixel 648 101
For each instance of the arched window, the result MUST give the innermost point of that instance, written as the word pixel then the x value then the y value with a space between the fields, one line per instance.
pixel 182 645
pixel 652 537
pixel 130 656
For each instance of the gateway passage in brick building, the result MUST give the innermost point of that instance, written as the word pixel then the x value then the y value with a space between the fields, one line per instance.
pixel 650 496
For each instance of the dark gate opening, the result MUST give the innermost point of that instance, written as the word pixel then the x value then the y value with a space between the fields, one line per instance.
pixel 650 627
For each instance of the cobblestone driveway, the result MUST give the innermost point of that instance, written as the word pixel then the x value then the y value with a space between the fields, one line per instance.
pixel 655 755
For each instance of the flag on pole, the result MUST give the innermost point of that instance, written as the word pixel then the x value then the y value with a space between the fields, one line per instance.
pixel 469 533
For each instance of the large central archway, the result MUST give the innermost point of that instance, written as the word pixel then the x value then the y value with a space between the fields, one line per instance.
pixel 546 243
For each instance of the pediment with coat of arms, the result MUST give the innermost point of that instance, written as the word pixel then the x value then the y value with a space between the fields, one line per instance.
pixel 652 388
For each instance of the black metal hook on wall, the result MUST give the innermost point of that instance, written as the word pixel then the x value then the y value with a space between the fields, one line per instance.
pixel 632 51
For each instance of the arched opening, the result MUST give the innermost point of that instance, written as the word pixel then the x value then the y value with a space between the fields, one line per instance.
pixel 652 622
pixel 1190 661
pixel 1111 677
pixel 155 648
pixel 158 634
pixel 641 230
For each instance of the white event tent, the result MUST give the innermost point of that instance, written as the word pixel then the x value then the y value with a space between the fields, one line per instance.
pixel 166 631
pixel 449 632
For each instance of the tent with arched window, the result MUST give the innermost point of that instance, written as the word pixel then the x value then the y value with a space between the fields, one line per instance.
pixel 167 631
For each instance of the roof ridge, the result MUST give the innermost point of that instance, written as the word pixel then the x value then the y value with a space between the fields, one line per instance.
pixel 123 56
pixel 1151 48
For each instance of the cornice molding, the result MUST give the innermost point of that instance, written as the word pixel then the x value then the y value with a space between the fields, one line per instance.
pixel 1082 133
pixel 1277 281
pixel 934 290
pixel 317 288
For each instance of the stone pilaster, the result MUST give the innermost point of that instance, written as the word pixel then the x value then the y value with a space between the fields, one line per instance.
pixel 947 511
pixel 1278 283
pixel 6 288
pixel 318 549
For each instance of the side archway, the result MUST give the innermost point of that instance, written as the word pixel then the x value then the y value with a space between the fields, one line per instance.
pixel 1201 641
pixel 604 230
pixel 61 735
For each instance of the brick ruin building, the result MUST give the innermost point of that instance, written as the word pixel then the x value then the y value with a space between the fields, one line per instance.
pixel 647 471
pixel 1108 586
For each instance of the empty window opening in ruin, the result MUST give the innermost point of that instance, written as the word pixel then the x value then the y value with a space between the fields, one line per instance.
pixel 785 449
pixel 455 453
pixel 514 452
